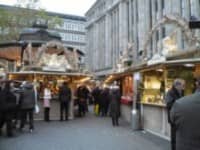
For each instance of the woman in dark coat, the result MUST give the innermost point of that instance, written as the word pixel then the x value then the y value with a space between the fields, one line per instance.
pixel 115 106
pixel 83 94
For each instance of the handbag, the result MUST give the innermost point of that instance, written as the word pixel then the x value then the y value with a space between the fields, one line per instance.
pixel 37 108
pixel 96 109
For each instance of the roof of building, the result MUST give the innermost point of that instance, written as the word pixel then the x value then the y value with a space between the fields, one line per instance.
pixel 67 16
pixel 38 34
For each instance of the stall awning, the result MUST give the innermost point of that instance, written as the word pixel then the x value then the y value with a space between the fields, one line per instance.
pixel 117 75
pixel 168 63
pixel 183 61
pixel 49 73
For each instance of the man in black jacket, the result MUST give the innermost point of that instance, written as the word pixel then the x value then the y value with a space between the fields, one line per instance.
pixel 173 94
pixel 27 104
pixel 64 98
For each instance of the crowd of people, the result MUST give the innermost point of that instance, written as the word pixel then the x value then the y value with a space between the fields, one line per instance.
pixel 17 103
pixel 19 100
pixel 106 101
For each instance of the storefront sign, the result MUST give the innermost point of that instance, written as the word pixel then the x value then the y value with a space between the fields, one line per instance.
pixel 194 24
pixel 54 69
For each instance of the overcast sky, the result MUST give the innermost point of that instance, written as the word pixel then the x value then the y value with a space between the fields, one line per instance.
pixel 74 7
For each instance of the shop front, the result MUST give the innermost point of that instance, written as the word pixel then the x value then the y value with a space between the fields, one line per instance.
pixel 155 81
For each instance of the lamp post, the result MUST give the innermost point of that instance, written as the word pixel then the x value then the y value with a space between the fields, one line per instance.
pixel 135 113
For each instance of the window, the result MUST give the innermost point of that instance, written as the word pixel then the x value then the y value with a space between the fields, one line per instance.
pixel 163 4
pixel 62 36
pixel 163 32
pixel 157 36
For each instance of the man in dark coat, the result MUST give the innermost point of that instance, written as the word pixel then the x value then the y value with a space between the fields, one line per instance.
pixel 64 98
pixel 105 98
pixel 173 94
pixel 7 108
pixel 185 118
pixel 115 97
pixel 27 105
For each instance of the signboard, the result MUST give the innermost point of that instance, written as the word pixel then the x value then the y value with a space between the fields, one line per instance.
pixel 55 69
pixel 194 24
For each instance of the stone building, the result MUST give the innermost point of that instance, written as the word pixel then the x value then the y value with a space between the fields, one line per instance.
pixel 155 35
pixel 107 34
pixel 114 25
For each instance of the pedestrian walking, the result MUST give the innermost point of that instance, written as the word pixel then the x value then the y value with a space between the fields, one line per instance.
pixel 105 98
pixel 173 94
pixel 47 103
pixel 185 119
pixel 64 98
pixel 83 94
pixel 115 97
pixel 27 105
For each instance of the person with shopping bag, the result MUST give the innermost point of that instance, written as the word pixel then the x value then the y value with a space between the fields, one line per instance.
pixel 27 105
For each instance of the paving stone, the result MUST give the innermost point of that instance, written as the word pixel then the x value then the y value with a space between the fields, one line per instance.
pixel 88 133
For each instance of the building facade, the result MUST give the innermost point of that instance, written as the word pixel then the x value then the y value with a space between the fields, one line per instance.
pixel 72 30
pixel 115 25
pixel 152 33
pixel 107 34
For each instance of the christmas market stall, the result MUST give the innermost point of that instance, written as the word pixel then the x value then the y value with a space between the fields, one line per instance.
pixel 125 82
pixel 40 57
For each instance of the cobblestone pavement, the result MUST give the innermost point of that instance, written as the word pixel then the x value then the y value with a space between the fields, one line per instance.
pixel 89 133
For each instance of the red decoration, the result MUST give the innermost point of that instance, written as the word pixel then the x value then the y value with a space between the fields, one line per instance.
pixel 126 100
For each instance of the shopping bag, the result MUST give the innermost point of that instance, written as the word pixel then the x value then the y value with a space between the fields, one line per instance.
pixel 96 110
pixel 37 109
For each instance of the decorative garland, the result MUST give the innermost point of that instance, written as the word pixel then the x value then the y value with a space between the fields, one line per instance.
pixel 178 21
